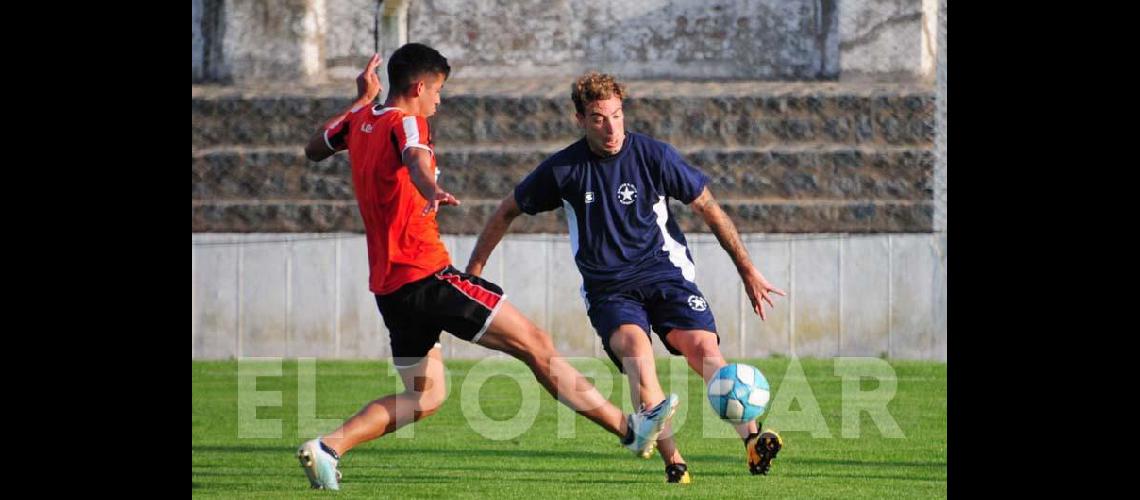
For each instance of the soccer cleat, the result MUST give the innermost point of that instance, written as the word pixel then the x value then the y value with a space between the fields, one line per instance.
pixel 677 473
pixel 762 449
pixel 319 465
pixel 646 425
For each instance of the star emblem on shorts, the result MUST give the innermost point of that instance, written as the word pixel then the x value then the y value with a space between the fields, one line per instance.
pixel 698 303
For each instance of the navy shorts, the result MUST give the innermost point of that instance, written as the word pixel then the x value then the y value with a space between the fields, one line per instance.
pixel 659 307
pixel 451 300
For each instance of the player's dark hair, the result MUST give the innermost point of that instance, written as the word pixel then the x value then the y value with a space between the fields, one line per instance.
pixel 412 61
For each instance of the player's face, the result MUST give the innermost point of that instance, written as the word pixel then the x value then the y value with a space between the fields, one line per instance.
pixel 429 98
pixel 604 125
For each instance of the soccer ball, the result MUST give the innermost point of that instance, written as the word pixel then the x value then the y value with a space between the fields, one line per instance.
pixel 738 393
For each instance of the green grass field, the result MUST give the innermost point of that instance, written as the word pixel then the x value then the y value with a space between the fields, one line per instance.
pixel 444 455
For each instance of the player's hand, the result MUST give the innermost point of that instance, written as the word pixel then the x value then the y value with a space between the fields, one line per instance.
pixel 474 269
pixel 440 197
pixel 758 289
pixel 368 82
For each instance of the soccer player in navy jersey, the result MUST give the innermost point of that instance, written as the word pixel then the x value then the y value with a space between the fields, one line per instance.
pixel 637 273
pixel 418 292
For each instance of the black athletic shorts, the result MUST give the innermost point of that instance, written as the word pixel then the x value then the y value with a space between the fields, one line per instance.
pixel 451 300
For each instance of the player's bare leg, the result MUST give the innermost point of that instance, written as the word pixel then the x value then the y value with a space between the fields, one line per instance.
pixel 424 392
pixel 514 334
pixel 631 344
pixel 703 355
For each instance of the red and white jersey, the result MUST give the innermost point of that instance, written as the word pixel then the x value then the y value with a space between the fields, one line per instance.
pixel 403 245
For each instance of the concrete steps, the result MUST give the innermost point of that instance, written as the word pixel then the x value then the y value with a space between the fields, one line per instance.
pixel 783 157
pixel 689 115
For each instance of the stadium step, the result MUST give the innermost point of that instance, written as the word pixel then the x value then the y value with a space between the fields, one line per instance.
pixel 783 157
pixel 686 114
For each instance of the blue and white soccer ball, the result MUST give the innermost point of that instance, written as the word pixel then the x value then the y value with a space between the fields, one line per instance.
pixel 738 393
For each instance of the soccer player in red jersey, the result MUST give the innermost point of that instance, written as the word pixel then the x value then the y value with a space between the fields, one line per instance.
pixel 417 290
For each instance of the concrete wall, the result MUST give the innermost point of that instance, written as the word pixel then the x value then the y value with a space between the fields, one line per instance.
pixel 888 40
pixel 356 29
pixel 311 40
pixel 197 42
pixel 351 36
pixel 940 134
pixel 258 40
pixel 307 295
pixel 694 39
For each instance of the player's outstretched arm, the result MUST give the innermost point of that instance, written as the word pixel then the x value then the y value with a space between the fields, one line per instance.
pixel 492 234
pixel 721 225
pixel 367 88
pixel 423 177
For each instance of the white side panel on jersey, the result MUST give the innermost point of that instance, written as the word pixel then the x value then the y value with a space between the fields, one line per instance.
pixel 572 223
pixel 676 250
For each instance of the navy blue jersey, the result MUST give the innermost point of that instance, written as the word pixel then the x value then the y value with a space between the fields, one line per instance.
pixel 621 231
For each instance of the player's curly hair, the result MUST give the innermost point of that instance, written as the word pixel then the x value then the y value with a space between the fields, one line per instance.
pixel 594 86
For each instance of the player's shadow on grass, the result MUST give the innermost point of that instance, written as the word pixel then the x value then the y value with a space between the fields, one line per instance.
pixel 555 468
pixel 730 458
pixel 519 452
pixel 486 455
pixel 857 475
pixel 809 468
pixel 868 463
pixel 398 474
pixel 240 472
pixel 390 479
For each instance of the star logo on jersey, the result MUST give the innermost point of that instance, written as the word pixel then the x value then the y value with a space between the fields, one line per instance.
pixel 698 303
pixel 627 193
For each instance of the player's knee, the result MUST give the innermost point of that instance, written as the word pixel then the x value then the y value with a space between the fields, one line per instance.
pixel 422 414
pixel 427 393
pixel 430 405
pixel 427 403
pixel 696 344
pixel 707 349
pixel 630 343
pixel 703 354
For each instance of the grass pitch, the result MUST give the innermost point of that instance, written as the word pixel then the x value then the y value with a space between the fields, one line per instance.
pixel 477 450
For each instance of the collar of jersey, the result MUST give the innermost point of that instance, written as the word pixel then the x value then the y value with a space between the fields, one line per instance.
pixel 624 147
pixel 378 112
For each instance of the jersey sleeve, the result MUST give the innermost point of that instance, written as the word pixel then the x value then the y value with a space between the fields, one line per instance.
pixel 336 135
pixel 413 132
pixel 682 182
pixel 538 192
